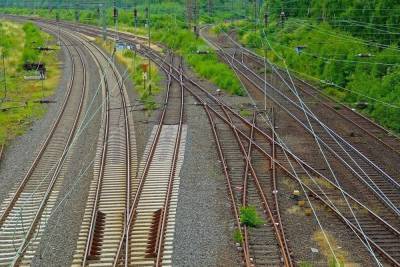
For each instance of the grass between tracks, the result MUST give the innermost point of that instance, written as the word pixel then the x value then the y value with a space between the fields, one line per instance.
pixel 18 97
pixel 133 63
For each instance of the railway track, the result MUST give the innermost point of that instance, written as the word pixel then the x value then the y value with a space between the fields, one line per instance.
pixel 382 236
pixel 270 237
pixel 369 127
pixel 115 165
pixel 24 213
pixel 378 234
pixel 148 235
pixel 372 177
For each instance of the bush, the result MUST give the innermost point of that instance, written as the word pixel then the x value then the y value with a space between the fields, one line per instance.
pixel 250 217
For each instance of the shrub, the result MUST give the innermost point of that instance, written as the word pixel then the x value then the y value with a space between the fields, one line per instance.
pixel 250 217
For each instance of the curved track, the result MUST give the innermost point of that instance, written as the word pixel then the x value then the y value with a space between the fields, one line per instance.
pixel 256 144
pixel 27 209
pixel 378 233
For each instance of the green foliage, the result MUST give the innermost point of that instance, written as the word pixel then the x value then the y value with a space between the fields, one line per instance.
pixel 33 39
pixel 305 264
pixel 330 55
pixel 168 26
pixel 250 217
pixel 18 106
pixel 207 66
pixel 237 236
pixel 332 262
pixel 367 19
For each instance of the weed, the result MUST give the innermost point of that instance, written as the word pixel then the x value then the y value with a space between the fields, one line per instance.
pixel 250 217
pixel 305 264
pixel 237 236
pixel 245 113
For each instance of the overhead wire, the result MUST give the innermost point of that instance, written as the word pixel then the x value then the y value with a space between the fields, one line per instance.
pixel 353 213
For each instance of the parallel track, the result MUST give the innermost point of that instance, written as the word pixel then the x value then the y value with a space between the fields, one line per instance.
pixel 380 234
pixel 370 175
pixel 382 135
pixel 148 235
pixel 24 212
pixel 382 237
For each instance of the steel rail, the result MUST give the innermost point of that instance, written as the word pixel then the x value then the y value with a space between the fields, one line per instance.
pixel 302 163
pixel 245 185
pixel 278 228
pixel 315 194
pixel 381 195
pixel 24 245
pixel 252 54
pixel 1 151
pixel 135 201
pixel 89 243
pixel 377 168
pixel 42 149
pixel 165 209
pixel 267 137
pixel 325 100
pixel 231 194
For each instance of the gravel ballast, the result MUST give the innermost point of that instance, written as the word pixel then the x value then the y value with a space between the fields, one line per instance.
pixel 20 153
pixel 204 224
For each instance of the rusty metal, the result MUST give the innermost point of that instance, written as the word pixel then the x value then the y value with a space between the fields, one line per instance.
pixel 385 254
pixel 229 185
pixel 278 232
pixel 32 225
pixel 161 233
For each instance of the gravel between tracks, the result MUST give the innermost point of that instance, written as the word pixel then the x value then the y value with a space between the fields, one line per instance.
pixel 204 224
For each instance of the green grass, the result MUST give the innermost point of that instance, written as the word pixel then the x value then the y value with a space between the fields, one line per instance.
pixel 237 236
pixel 133 62
pixel 305 264
pixel 250 217
pixel 328 57
pixel 168 27
pixel 245 112
pixel 18 107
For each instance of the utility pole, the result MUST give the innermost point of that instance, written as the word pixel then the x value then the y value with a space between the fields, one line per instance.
pixel 209 7
pixel 135 18
pixel 77 12
pixel 196 18
pixel 149 43
pixel 103 21
pixel 189 13
pixel 4 77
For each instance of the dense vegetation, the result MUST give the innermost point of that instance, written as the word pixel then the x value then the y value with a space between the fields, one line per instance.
pixel 18 97
pixel 369 19
pixel 332 58
pixel 165 19
pixel 351 46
